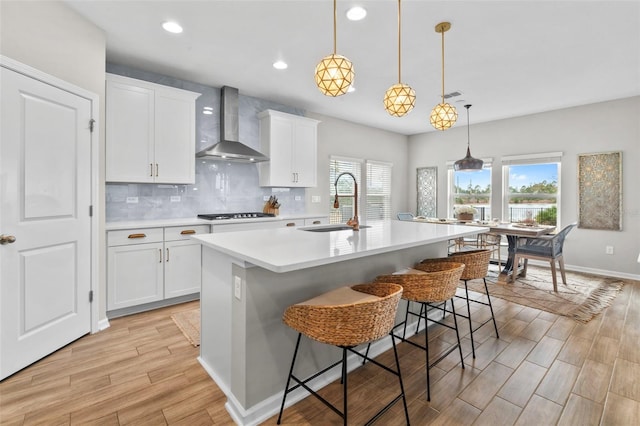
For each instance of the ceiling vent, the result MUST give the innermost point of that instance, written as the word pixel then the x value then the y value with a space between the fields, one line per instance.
pixel 452 94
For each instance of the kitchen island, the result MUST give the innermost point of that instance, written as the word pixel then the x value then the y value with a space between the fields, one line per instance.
pixel 250 277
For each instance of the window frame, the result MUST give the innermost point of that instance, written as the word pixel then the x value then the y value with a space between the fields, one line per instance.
pixel 531 159
pixel 487 164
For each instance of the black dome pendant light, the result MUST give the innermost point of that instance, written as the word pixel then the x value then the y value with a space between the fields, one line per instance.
pixel 468 163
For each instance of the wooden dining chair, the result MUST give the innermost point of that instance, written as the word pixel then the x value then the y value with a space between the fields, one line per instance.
pixel 545 247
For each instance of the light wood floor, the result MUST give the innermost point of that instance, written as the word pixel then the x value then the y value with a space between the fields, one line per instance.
pixel 543 370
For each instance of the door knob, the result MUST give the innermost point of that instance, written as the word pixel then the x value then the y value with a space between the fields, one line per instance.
pixel 7 239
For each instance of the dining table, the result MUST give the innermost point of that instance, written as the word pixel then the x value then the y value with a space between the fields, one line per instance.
pixel 512 231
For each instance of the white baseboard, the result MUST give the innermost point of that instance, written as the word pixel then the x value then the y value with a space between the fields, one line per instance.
pixel 103 324
pixel 601 272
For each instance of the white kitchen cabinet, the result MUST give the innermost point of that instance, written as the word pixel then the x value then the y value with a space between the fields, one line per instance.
pixel 135 268
pixel 152 264
pixel 150 132
pixel 290 142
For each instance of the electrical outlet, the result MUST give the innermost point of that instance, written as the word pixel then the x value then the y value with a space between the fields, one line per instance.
pixel 175 198
pixel 237 287
pixel 297 198
pixel 608 249
pixel 132 200
pixel 265 198
pixel 315 198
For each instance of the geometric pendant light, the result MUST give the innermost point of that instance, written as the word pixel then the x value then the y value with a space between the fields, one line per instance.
pixel 334 73
pixel 468 163
pixel 400 98
pixel 443 115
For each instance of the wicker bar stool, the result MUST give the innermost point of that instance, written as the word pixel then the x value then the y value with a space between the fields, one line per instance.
pixel 476 266
pixel 346 317
pixel 436 283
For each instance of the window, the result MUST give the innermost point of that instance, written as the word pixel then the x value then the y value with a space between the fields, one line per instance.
pixel 378 194
pixel 471 189
pixel 376 190
pixel 532 188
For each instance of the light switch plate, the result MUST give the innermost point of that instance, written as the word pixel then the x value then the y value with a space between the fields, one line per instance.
pixel 237 287
pixel 315 198
pixel 175 198
pixel 132 200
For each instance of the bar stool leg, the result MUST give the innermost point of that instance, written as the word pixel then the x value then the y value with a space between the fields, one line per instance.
pixel 426 351
pixel 455 323
pixel 491 308
pixel 344 384
pixel 404 398
pixel 466 290
pixel 286 388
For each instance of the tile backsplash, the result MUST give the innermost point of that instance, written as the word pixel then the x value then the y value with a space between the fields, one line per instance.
pixel 221 187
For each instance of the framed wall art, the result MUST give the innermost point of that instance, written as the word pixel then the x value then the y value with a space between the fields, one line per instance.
pixel 427 185
pixel 600 191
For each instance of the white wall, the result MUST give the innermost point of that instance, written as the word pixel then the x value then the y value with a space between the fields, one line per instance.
pixel 49 36
pixel 347 139
pixel 601 127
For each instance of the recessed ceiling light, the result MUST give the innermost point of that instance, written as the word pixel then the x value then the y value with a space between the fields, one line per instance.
pixel 356 13
pixel 280 65
pixel 172 27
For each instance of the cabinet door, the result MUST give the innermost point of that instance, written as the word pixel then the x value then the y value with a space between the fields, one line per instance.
pixel 175 147
pixel 134 275
pixel 129 133
pixel 305 153
pixel 280 154
pixel 182 268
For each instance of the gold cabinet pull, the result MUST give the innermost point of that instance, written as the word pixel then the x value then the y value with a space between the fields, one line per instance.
pixel 136 236
pixel 291 224
pixel 151 169
pixel 187 232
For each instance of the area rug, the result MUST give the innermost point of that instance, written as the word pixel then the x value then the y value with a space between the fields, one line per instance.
pixel 583 297
pixel 189 323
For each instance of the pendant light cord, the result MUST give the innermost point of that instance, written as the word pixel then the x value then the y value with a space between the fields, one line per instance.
pixel 443 65
pixel 468 125
pixel 399 43
pixel 335 20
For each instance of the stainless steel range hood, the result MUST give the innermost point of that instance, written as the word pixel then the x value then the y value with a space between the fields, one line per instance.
pixel 229 148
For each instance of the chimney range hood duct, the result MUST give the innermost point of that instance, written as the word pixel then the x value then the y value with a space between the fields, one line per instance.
pixel 229 148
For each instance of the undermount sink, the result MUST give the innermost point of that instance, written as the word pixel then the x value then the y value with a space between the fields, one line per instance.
pixel 331 228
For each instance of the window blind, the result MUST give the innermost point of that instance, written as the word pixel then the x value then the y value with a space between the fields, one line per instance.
pixel 543 157
pixel 378 193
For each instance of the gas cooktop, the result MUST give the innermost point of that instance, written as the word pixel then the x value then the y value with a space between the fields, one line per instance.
pixel 223 216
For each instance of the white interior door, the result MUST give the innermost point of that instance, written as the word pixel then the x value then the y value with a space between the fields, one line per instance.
pixel 45 194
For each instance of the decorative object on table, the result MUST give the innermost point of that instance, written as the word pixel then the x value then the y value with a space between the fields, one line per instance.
pixel 468 163
pixel 334 73
pixel 584 296
pixel 443 115
pixel 600 191
pixel 400 98
pixel 465 212
pixel 189 323
pixel 272 206
pixel 427 183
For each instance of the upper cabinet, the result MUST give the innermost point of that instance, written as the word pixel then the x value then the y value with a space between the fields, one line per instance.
pixel 290 141
pixel 150 132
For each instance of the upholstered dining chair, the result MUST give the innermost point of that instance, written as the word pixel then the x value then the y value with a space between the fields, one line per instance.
pixel 405 216
pixel 545 247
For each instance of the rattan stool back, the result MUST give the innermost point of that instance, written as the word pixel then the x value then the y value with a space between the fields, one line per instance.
pixel 437 283
pixel 476 262
pixel 348 324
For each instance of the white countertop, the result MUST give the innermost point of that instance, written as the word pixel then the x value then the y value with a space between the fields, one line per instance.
pixel 187 221
pixel 290 249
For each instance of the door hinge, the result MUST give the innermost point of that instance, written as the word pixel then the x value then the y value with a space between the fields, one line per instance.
pixel 90 296
pixel 91 211
pixel 91 123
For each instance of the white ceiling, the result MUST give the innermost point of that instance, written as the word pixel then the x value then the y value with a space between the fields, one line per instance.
pixel 509 58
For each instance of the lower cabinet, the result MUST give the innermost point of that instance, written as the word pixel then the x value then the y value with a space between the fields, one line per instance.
pixel 152 264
